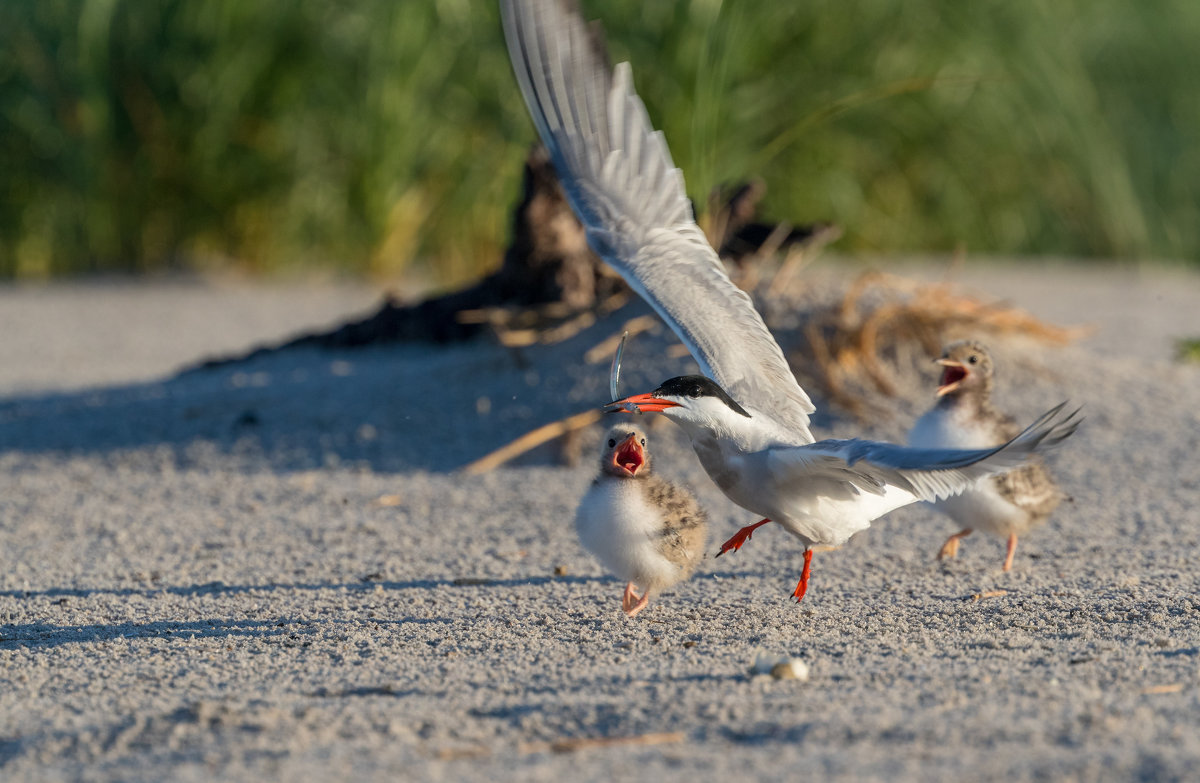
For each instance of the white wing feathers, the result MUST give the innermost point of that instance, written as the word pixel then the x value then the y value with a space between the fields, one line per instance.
pixel 929 473
pixel 618 175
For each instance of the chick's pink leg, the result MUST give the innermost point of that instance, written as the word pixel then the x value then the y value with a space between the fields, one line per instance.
pixel 630 598
pixel 1012 549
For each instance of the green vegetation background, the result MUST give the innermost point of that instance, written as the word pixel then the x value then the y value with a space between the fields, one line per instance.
pixel 381 137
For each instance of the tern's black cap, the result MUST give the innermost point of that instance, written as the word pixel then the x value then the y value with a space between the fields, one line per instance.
pixel 697 386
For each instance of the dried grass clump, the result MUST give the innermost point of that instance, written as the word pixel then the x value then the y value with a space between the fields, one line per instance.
pixel 856 350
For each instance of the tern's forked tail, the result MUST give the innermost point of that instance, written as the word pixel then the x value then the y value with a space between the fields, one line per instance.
pixel 1048 431
pixel 932 474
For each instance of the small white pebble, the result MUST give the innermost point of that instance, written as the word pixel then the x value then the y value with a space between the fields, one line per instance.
pixel 790 669
pixel 781 668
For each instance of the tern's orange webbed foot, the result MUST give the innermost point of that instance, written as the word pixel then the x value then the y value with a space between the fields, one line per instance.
pixel 802 587
pixel 740 537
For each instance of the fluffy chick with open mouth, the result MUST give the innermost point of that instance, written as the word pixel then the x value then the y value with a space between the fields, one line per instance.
pixel 1008 504
pixel 640 526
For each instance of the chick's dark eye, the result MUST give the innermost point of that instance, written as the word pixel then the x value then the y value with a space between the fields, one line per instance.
pixel 973 359
pixel 643 441
pixel 611 443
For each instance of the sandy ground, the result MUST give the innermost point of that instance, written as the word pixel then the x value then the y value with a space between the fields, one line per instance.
pixel 275 570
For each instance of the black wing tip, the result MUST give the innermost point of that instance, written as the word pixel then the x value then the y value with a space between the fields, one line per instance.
pixel 1051 428
pixel 598 42
pixel 563 16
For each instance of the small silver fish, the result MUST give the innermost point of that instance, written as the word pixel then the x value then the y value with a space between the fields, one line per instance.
pixel 614 374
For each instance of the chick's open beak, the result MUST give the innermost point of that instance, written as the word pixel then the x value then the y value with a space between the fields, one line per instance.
pixel 953 375
pixel 629 455
pixel 645 403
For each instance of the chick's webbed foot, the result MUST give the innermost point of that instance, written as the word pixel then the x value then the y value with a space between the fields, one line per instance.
pixel 630 597
pixel 950 548
pixel 631 602
pixel 639 606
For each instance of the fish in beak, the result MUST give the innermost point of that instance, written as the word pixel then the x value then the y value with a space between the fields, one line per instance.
pixel 642 403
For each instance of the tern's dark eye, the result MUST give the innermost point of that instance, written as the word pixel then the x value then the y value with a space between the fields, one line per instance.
pixel 973 359
pixel 694 392
pixel 611 443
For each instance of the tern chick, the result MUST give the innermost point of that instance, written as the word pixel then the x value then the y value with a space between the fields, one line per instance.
pixel 640 526
pixel 1008 504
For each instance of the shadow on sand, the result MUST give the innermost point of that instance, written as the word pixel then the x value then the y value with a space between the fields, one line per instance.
pixel 392 409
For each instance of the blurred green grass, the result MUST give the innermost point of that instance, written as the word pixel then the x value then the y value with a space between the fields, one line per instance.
pixel 387 138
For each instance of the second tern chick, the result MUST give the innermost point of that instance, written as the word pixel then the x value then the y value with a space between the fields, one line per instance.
pixel 1008 504
pixel 640 526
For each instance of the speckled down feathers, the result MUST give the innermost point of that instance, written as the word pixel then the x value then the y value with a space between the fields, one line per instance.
pixel 642 528
pixel 1030 487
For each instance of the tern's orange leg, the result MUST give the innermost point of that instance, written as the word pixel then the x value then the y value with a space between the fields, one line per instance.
pixel 802 588
pixel 1012 548
pixel 950 548
pixel 740 537
pixel 630 598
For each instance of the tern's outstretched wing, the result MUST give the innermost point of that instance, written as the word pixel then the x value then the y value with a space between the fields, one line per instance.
pixel 618 175
pixel 929 474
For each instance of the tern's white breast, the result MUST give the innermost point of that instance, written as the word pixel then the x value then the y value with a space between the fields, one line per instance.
pixel 623 531
pixel 800 504
pixel 829 521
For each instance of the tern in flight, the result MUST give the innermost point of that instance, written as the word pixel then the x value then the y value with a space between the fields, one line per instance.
pixel 747 417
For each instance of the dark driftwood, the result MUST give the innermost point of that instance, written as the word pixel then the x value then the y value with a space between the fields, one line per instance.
pixel 548 262
pixel 742 240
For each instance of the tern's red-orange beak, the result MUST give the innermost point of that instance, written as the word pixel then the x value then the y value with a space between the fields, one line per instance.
pixel 952 376
pixel 629 456
pixel 646 403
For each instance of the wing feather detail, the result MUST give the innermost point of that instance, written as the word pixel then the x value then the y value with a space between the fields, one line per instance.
pixel 617 173
pixel 928 473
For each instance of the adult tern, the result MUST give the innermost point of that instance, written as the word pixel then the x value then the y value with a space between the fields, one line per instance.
pixel 747 417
